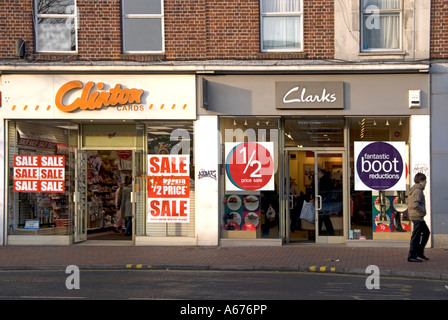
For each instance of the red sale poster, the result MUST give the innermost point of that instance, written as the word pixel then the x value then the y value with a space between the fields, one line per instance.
pixel 169 188
pixel 39 173
pixel 249 166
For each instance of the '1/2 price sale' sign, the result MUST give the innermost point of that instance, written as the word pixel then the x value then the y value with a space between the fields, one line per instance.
pixel 169 188
pixel 249 166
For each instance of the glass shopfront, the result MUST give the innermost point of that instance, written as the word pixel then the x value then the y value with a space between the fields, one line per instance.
pixel 314 198
pixel 65 179
pixel 250 212
pixel 41 177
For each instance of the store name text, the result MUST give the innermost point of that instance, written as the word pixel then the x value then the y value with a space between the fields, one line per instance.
pixel 304 97
pixel 91 100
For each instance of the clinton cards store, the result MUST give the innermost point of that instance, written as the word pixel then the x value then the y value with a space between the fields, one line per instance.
pixel 71 142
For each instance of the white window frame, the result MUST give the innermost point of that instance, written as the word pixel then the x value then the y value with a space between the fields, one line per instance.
pixel 282 14
pixel 381 11
pixel 160 16
pixel 38 16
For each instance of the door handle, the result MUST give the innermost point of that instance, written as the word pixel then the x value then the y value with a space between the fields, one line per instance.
pixel 319 202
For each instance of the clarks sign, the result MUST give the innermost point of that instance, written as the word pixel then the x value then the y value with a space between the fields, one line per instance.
pixel 309 95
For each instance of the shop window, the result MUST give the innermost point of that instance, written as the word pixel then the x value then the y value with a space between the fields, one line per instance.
pixel 381 25
pixel 170 177
pixel 314 132
pixel 41 179
pixel 143 26
pixel 249 178
pixel 281 25
pixel 377 214
pixel 56 25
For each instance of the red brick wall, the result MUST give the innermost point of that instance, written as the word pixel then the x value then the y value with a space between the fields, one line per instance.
pixel 194 30
pixel 439 29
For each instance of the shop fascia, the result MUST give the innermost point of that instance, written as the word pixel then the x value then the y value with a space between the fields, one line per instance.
pixel 146 97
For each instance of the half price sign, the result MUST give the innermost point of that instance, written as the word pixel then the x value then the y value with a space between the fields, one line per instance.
pixel 35 173
pixel 169 188
pixel 249 166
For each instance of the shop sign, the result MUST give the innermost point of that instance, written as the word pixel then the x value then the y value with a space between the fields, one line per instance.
pixel 249 166
pixel 106 96
pixel 169 188
pixel 91 100
pixel 39 173
pixel 380 166
pixel 309 95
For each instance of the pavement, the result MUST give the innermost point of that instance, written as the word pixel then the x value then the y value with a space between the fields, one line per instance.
pixel 297 258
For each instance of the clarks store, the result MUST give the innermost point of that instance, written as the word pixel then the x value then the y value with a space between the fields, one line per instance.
pixel 98 157
pixel 318 158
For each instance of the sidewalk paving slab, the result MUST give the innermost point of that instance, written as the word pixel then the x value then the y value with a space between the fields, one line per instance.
pixel 293 258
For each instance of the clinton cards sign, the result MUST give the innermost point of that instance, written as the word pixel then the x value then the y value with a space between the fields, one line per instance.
pixel 380 166
pixel 169 188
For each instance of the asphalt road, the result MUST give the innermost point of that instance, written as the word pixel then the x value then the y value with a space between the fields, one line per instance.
pixel 210 285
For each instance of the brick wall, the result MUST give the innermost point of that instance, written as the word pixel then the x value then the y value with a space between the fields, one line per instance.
pixel 439 29
pixel 194 30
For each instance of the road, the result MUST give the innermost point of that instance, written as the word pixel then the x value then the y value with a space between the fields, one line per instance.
pixel 131 284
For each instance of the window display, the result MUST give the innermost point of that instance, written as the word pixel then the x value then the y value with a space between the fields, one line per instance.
pixel 378 193
pixel 250 202
pixel 39 179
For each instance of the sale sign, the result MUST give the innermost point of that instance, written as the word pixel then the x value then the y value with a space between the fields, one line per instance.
pixel 169 188
pixel 380 166
pixel 39 173
pixel 249 166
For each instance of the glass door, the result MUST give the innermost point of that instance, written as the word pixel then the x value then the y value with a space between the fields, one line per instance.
pixel 140 194
pixel 80 196
pixel 314 193
pixel 330 204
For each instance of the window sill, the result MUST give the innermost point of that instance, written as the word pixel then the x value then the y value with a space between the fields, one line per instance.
pixel 382 53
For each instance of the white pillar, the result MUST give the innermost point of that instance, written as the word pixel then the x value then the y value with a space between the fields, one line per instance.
pixel 206 161
pixel 420 151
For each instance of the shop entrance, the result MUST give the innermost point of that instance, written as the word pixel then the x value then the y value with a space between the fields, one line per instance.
pixel 102 211
pixel 314 185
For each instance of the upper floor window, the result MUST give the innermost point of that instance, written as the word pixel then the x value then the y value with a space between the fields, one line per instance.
pixel 55 24
pixel 281 25
pixel 381 25
pixel 143 30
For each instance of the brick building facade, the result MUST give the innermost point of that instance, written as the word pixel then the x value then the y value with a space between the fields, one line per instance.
pixel 234 53
pixel 194 30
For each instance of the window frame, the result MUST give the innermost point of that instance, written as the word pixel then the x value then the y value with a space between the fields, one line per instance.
pixel 38 16
pixel 364 13
pixel 160 16
pixel 299 14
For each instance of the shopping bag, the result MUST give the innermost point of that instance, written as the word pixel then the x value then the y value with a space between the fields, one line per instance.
pixel 270 213
pixel 307 212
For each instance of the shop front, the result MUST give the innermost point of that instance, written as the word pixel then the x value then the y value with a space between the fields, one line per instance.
pixel 99 158
pixel 318 158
